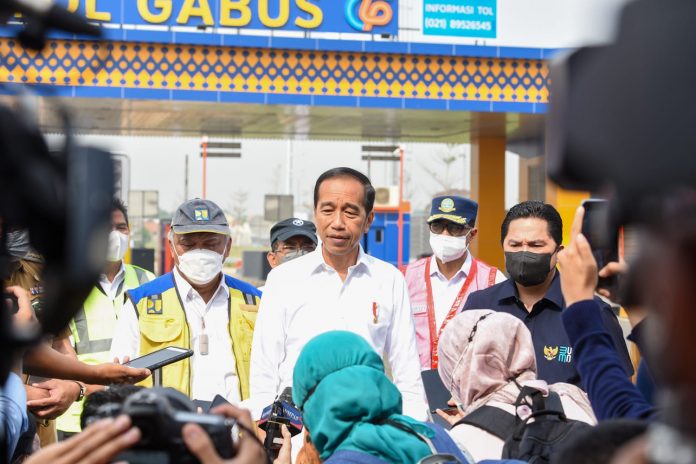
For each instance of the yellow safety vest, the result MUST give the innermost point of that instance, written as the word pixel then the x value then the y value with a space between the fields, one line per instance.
pixel 162 322
pixel 92 329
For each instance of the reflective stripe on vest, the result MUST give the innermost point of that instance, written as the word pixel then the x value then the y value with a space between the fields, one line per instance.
pixel 162 322
pixel 97 318
pixel 103 314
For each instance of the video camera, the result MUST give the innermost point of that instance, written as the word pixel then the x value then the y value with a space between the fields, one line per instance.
pixel 62 198
pixel 160 414
pixel 621 116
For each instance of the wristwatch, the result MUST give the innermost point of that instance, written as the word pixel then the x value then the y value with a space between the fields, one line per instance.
pixel 82 391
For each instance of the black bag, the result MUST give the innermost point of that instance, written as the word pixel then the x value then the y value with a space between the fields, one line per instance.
pixel 532 441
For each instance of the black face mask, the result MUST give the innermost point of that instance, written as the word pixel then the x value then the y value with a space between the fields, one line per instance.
pixel 527 268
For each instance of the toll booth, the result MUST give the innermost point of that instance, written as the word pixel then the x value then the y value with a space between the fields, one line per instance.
pixel 382 240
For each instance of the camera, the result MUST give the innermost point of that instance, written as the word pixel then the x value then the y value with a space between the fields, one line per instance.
pixel 160 414
pixel 618 122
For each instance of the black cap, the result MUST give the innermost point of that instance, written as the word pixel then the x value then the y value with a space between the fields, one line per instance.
pixel 292 227
pixel 200 216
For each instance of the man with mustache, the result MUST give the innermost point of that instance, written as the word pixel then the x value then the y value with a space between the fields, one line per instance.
pixel 336 287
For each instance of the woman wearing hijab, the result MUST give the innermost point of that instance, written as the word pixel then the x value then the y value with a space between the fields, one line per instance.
pixel 352 411
pixel 485 357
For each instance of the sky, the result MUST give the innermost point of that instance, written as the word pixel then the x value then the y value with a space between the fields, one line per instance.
pixel 159 163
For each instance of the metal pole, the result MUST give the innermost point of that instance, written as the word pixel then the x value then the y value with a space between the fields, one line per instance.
pixel 186 179
pixel 400 222
pixel 204 146
pixel 288 164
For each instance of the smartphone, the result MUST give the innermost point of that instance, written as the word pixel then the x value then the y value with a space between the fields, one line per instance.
pixel 160 358
pixel 603 238
pixel 218 401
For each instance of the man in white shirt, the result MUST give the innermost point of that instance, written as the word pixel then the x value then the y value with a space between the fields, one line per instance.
pixel 438 286
pixel 336 287
pixel 195 306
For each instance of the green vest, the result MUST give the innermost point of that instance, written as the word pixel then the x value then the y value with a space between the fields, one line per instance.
pixel 162 322
pixel 92 329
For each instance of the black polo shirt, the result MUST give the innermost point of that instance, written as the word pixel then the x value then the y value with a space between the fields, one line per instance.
pixel 554 355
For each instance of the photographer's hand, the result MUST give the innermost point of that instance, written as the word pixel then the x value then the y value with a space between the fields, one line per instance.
pixel 577 266
pixel 249 449
pixel 610 270
pixel 62 394
pixel 99 443
pixel 109 373
pixel 25 315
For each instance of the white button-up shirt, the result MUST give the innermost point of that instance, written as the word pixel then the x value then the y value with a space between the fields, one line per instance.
pixel 445 291
pixel 111 288
pixel 306 297
pixel 211 374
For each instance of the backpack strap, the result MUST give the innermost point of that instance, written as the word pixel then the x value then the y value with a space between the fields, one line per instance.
pixel 435 457
pixel 540 404
pixel 491 419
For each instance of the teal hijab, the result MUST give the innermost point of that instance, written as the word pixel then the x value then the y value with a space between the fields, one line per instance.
pixel 339 384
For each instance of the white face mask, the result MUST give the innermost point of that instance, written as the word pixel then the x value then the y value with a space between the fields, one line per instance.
pixel 200 266
pixel 447 248
pixel 118 244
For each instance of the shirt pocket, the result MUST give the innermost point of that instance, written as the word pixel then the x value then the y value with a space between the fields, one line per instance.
pixel 160 329
pixel 380 320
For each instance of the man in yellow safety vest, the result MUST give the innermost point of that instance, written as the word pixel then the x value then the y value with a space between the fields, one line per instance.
pixel 93 326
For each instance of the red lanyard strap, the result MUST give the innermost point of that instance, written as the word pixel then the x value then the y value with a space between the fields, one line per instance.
pixel 434 334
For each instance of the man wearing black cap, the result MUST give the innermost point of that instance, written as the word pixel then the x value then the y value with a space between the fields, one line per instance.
pixel 195 306
pixel 439 285
pixel 290 239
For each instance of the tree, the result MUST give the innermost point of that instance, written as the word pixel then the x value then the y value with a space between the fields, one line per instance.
pixel 238 206
pixel 442 168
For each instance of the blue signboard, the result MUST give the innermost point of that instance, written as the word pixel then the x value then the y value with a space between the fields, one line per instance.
pixel 461 18
pixel 368 16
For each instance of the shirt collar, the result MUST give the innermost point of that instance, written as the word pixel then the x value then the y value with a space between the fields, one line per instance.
pixel 187 291
pixel 465 269
pixel 508 290
pixel 120 274
pixel 319 264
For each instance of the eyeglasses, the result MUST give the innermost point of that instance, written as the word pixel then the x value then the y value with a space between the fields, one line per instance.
pixel 454 229
pixel 293 249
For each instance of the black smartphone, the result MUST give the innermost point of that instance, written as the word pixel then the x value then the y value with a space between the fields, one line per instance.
pixel 437 395
pixel 160 358
pixel 603 238
pixel 219 400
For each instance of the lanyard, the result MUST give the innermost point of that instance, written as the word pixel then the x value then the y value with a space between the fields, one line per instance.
pixel 434 334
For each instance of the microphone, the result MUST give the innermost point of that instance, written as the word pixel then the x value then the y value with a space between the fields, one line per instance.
pixel 281 412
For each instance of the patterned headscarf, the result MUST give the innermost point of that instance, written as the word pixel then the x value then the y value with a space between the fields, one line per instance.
pixel 484 352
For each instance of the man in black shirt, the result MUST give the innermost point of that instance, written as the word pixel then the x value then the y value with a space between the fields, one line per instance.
pixel 531 235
